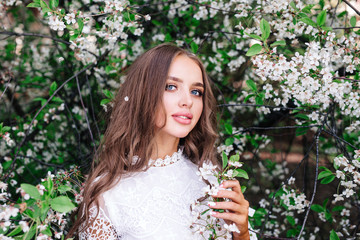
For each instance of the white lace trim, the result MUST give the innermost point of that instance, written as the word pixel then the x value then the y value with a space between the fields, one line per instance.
pixel 168 160
pixel 100 229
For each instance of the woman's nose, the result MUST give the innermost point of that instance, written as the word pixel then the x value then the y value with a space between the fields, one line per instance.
pixel 185 100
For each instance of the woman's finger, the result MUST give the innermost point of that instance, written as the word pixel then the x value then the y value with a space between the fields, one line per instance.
pixel 234 196
pixel 233 184
pixel 231 206
pixel 238 219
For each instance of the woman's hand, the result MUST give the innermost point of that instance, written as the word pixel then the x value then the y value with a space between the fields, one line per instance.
pixel 238 208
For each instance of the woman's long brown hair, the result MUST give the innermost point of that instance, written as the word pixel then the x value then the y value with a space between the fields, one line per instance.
pixel 131 128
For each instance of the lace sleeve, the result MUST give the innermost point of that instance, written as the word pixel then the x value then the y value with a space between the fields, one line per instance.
pixel 101 228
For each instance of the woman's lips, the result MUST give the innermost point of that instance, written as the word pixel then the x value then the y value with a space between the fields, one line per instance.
pixel 183 118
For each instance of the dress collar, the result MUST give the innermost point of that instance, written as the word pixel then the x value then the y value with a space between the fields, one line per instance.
pixel 168 160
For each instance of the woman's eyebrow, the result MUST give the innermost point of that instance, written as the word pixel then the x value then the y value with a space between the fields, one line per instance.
pixel 176 79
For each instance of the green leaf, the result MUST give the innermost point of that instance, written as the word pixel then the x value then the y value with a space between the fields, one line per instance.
pixel 54 4
pixel 64 188
pixel 105 101
pixel 44 212
pixel 353 21
pixel 224 159
pixel 194 47
pixel 292 4
pixel 252 85
pixel 81 24
pixel 44 6
pixel 243 189
pixel 333 235
pixel 328 216
pixel 259 100
pixel 70 28
pixel 317 208
pixel 265 29
pixel 157 23
pixel 254 36
pixel 240 173
pixel 31 190
pixel 235 158
pixel 62 204
pixel 31 233
pixel 5 129
pixel 33 5
pixel 49 185
pixel 308 21
pixel 327 28
pixel 321 18
pixel 301 131
pixel 291 220
pixel 307 9
pixel 248 97
pixel 47 231
pixel 53 87
pixel 15 231
pixel 278 43
pixel 228 128
pixel 302 116
pixel 324 174
pixel 57 100
pixel 108 94
pixel 328 179
pixel 254 49
pixel 229 141
pixel 338 208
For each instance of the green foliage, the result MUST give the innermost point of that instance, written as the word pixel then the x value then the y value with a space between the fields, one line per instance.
pixel 333 235
pixel 265 29
pixel 254 49
pixel 321 18
pixel 62 204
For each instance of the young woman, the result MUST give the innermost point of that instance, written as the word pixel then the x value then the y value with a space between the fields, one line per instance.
pixel 162 127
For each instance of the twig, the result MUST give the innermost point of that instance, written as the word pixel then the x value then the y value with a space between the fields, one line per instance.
pixel 273 128
pixel 7 86
pixel 349 4
pixel 34 35
pixel 346 27
pixel 339 138
pixel 86 117
pixel 267 106
pixel 315 183
pixel 92 106
pixel 40 161
pixel 344 78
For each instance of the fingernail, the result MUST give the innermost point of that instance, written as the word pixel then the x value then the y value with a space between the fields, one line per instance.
pixel 213 213
pixel 221 185
pixel 211 204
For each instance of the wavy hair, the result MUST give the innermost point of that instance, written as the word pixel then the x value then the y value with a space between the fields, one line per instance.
pixel 131 128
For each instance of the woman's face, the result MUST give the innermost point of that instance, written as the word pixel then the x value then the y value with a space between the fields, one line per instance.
pixel 182 99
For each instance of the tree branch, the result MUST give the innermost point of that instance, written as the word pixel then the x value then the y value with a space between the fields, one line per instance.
pixel 33 35
pixel 349 4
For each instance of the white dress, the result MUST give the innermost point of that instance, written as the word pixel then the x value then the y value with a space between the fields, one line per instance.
pixel 150 205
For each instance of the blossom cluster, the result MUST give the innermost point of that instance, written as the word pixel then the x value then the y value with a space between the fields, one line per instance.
pixel 203 223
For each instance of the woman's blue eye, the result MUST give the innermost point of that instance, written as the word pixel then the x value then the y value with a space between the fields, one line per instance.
pixel 197 92
pixel 170 87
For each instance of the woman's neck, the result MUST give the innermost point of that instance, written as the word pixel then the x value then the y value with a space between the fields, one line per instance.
pixel 165 146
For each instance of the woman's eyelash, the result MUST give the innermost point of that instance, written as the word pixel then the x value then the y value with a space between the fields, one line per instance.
pixel 169 87
pixel 199 92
